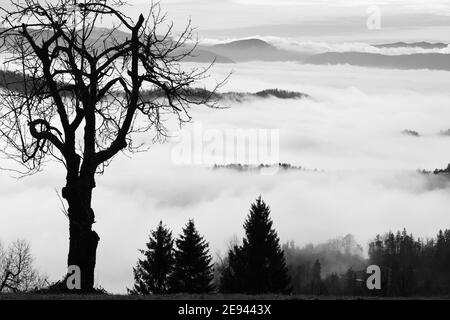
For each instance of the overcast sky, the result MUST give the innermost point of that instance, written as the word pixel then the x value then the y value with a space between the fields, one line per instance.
pixel 328 20
pixel 333 18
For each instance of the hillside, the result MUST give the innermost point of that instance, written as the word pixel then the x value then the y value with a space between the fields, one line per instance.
pixel 14 82
pixel 432 61
pixel 245 44
pixel 252 50
pixel 423 45
pixel 204 56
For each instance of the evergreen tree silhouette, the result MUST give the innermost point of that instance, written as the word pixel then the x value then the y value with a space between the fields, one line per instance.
pixel 333 284
pixel 350 282
pixel 152 274
pixel 233 277
pixel 258 266
pixel 193 269
pixel 317 286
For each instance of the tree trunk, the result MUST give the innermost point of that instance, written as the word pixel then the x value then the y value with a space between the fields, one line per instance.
pixel 83 240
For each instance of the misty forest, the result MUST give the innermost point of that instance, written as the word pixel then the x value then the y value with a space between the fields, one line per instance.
pixel 143 156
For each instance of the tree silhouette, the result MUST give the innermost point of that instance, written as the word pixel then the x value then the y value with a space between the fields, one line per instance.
pixel 317 285
pixel 258 266
pixel 350 282
pixel 233 275
pixel 411 266
pixel 152 274
pixel 84 93
pixel 193 270
pixel 17 272
pixel 333 284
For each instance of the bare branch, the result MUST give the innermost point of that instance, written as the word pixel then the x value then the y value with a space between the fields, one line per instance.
pixel 72 73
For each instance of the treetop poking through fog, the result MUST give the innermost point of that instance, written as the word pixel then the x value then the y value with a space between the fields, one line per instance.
pixel 80 99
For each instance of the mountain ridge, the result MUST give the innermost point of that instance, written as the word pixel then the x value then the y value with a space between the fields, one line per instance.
pixel 431 61
pixel 254 49
pixel 422 45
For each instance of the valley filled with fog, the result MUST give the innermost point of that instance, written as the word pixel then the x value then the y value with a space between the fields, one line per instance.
pixel 351 129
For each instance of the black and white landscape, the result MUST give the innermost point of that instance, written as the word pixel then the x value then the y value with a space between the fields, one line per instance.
pixel 359 120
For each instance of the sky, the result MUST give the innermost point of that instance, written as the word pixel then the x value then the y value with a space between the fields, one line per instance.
pixel 332 20
pixel 328 20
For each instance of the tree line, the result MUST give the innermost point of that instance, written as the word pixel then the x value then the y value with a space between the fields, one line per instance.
pixel 409 267
pixel 184 264
pixel 260 265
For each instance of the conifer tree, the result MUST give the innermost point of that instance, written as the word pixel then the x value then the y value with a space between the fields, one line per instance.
pixel 152 274
pixel 317 286
pixel 350 282
pixel 258 266
pixel 193 269
pixel 233 275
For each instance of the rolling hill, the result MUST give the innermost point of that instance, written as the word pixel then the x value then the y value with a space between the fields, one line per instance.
pixel 254 49
pixel 423 45
pixel 431 61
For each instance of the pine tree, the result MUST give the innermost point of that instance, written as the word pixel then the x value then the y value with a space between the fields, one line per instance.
pixel 193 270
pixel 258 266
pixel 233 277
pixel 317 286
pixel 152 274
pixel 350 282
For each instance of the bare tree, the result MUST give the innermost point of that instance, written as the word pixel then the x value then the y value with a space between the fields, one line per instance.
pixel 79 94
pixel 17 273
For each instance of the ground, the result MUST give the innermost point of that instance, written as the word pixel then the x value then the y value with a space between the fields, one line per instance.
pixel 31 296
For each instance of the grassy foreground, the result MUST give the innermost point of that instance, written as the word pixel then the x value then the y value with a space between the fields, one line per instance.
pixel 33 296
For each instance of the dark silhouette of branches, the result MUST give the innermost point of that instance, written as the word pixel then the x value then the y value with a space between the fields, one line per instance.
pixel 78 94
pixel 17 273
pixel 69 73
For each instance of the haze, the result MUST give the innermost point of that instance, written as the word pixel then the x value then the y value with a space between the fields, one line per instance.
pixel 350 129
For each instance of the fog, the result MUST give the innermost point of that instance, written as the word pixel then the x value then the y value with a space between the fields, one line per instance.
pixel 350 129
pixel 315 47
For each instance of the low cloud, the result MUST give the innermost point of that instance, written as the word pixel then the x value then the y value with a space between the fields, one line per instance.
pixel 350 128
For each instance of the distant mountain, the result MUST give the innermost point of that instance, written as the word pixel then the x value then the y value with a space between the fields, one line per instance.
pixel 432 61
pixel 98 37
pixel 198 55
pixel 205 56
pixel 105 34
pixel 423 45
pixel 252 50
pixel 103 37
pixel 245 44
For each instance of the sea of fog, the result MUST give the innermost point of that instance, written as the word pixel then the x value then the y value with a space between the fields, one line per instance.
pixel 316 47
pixel 350 129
